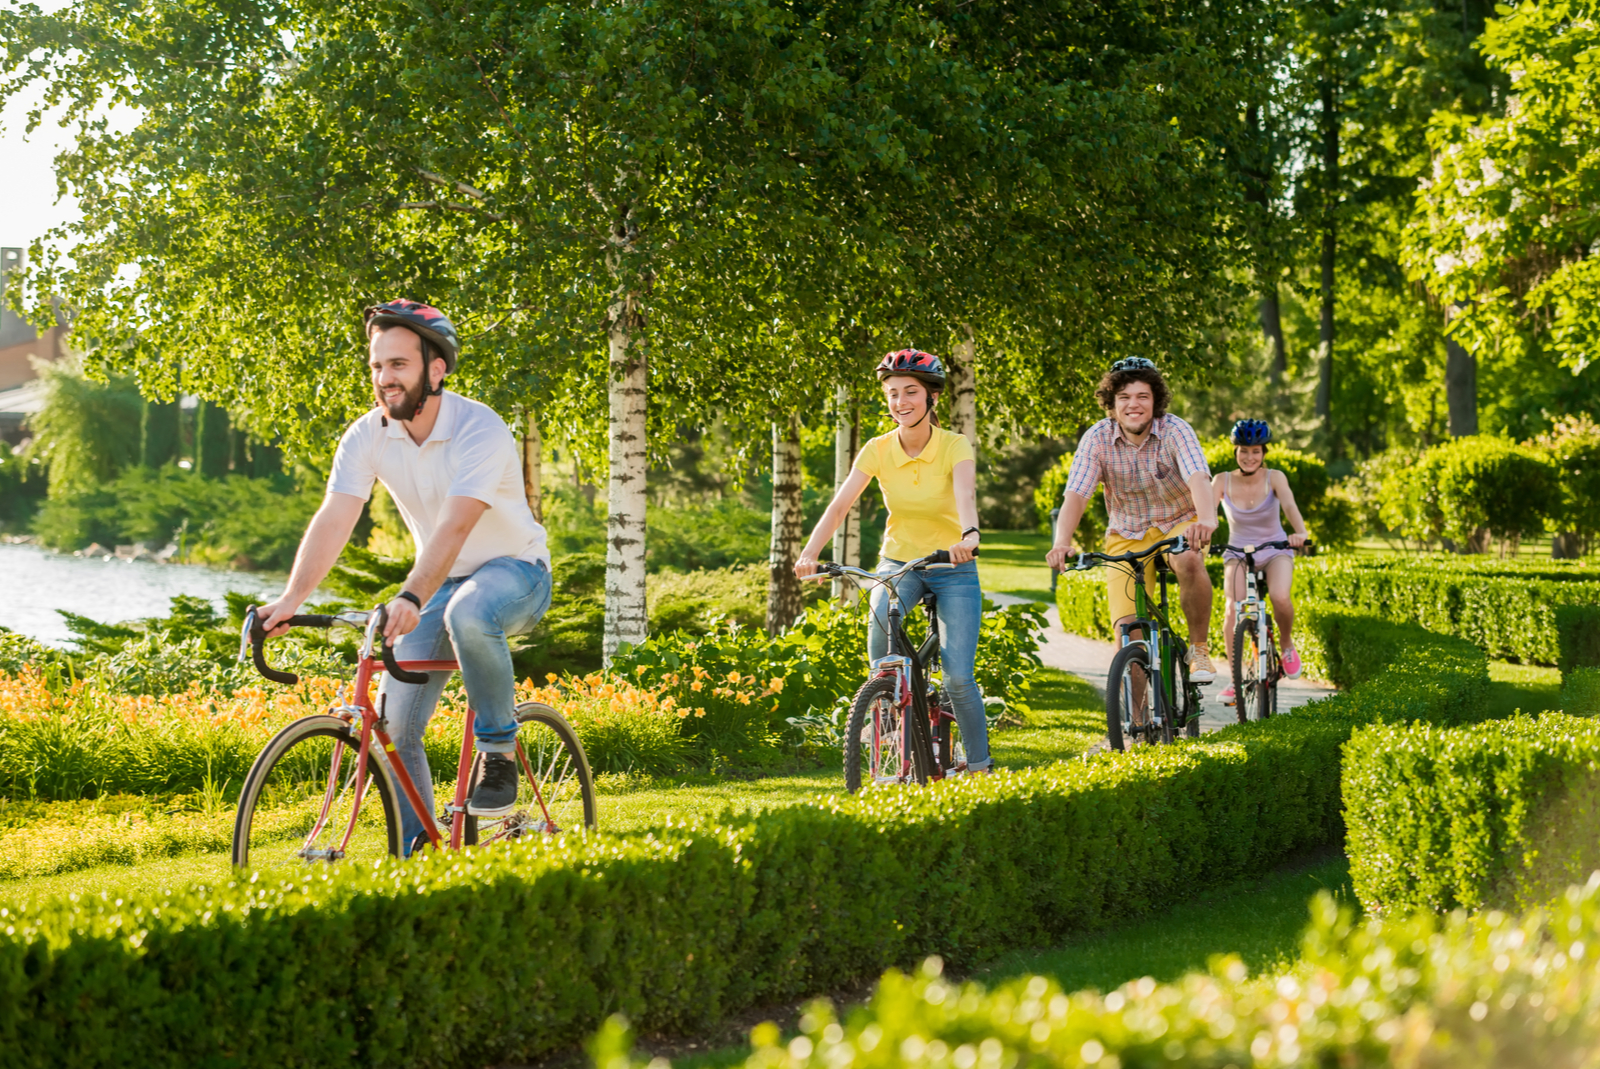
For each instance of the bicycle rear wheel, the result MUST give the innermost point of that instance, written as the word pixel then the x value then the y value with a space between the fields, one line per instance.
pixel 880 743
pixel 556 790
pixel 1129 697
pixel 1188 697
pixel 1247 688
pixel 299 795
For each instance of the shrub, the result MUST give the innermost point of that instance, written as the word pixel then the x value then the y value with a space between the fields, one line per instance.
pixel 1577 637
pixel 23 484
pixel 1470 483
pixel 689 923
pixel 1498 814
pixel 701 601
pixel 1574 445
pixel 1509 612
pixel 1421 991
pixel 1092 528
pixel 1580 691
pixel 624 728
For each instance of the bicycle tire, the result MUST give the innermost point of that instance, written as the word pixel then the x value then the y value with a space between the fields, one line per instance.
pixel 1191 699
pixel 1120 686
pixel 1246 668
pixel 278 803
pixel 1267 700
pixel 566 785
pixel 881 734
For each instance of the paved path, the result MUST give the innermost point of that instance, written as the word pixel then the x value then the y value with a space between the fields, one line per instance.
pixel 1090 659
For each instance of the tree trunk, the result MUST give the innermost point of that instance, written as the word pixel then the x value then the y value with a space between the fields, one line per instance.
pixel 788 527
pixel 533 467
pixel 1460 383
pixel 963 387
pixel 1272 331
pixel 1330 202
pixel 1568 545
pixel 212 449
pixel 847 539
pixel 627 617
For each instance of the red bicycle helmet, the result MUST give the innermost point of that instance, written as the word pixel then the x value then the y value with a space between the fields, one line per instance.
pixel 427 322
pixel 913 362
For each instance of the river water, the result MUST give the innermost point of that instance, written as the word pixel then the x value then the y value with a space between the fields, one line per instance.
pixel 35 582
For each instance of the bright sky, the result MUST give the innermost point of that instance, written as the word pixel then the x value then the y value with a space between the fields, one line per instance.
pixel 28 205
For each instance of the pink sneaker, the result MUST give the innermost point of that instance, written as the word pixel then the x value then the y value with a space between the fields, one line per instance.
pixel 1228 697
pixel 1291 663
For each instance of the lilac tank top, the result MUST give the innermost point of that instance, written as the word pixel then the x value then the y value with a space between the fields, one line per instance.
pixel 1252 527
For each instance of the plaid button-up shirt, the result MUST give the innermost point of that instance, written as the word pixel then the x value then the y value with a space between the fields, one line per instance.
pixel 1146 485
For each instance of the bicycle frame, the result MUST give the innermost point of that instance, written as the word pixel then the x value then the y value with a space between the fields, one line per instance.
pixel 1255 601
pixel 1157 628
pixel 375 724
pixel 910 671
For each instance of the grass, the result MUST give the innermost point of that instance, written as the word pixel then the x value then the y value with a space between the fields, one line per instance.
pixel 1528 687
pixel 1063 724
pixel 1012 562
pixel 1259 920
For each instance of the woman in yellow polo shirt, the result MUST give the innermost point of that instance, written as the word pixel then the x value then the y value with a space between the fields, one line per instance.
pixel 929 481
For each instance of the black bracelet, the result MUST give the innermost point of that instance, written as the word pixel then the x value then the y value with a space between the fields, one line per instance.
pixel 409 596
pixel 971 530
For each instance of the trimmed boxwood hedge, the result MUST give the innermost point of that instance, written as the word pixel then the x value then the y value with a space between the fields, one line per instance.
pixel 507 953
pixel 1500 814
pixel 1465 992
pixel 1577 637
pixel 1507 610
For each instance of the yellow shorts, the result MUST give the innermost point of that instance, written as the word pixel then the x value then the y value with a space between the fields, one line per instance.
pixel 1119 582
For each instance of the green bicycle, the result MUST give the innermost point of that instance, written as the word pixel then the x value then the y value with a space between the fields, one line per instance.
pixel 1149 696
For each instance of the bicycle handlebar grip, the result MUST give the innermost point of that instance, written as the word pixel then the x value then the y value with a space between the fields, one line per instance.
pixel 390 665
pixel 258 653
pixel 942 556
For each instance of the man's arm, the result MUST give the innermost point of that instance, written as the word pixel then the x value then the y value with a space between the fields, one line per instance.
pixel 456 521
pixel 324 540
pixel 1205 510
pixel 1072 508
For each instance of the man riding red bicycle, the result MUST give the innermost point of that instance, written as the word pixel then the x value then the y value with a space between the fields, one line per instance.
pixel 482 570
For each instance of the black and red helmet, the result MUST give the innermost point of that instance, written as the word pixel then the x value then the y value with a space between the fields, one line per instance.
pixel 913 362
pixel 427 322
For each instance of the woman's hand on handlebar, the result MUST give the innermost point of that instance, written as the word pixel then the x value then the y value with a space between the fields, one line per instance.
pixel 1296 541
pixel 964 550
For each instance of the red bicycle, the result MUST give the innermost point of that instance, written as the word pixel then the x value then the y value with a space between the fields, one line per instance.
pixel 310 794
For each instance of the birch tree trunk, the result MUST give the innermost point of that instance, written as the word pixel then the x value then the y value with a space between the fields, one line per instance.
pixel 533 467
pixel 783 587
pixel 963 387
pixel 627 617
pixel 1460 382
pixel 847 539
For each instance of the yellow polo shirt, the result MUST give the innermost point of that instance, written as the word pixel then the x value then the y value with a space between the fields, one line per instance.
pixel 918 491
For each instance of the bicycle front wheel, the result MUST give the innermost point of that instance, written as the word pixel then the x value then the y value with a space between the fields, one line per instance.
pixel 1129 697
pixel 556 792
pixel 879 744
pixel 1247 684
pixel 301 802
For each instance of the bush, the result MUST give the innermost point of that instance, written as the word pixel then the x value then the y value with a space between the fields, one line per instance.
pixel 1574 445
pixel 236 522
pixel 1580 692
pixel 1508 611
pixel 23 483
pixel 1500 814
pixel 1577 637
pixel 1473 483
pixel 1416 992
pixel 685 925
pixel 702 601
pixel 1092 528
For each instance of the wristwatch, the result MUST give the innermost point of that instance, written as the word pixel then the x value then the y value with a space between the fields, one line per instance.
pixel 971 530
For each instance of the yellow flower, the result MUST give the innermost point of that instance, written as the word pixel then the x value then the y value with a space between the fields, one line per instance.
pixel 775 685
pixel 697 685
pixel 733 676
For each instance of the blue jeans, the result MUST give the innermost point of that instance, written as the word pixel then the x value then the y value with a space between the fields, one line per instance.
pixel 960 615
pixel 473 614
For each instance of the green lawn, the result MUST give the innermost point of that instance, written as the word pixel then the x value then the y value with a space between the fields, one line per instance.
pixel 1063 723
pixel 1012 562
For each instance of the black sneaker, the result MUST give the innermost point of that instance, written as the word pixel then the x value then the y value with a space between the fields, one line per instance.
pixel 496 792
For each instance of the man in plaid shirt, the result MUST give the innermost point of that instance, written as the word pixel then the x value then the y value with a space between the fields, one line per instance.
pixel 1157 486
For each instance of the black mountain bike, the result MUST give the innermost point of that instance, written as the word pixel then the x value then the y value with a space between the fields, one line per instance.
pixel 1149 696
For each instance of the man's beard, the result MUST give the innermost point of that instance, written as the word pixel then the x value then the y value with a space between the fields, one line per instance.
pixel 1140 429
pixel 408 406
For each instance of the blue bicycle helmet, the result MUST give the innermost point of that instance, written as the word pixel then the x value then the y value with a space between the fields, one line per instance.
pixel 1251 432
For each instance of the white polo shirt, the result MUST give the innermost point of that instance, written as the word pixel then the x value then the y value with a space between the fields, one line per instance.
pixel 471 453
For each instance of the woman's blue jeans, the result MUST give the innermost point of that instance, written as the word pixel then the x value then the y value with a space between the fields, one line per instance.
pixel 960 615
pixel 468 618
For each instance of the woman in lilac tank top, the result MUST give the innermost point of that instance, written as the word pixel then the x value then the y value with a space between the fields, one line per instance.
pixel 1251 498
